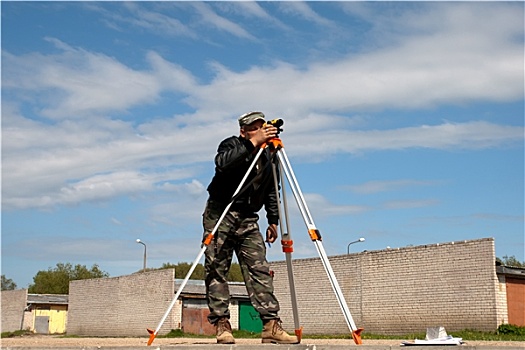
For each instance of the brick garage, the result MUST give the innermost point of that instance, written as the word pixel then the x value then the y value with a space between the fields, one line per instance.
pixel 398 291
pixel 394 291
pixel 121 306
pixel 13 305
pixel 127 305
pixel 512 286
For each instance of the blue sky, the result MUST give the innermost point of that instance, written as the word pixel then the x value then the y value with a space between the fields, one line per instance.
pixel 404 123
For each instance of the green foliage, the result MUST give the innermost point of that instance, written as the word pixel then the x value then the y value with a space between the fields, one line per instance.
pixel 235 274
pixel 477 335
pixel 511 329
pixel 182 268
pixel 56 280
pixel 8 284
pixel 470 334
pixel 511 261
pixel 18 333
pixel 466 335
pixel 178 333
pixel 238 333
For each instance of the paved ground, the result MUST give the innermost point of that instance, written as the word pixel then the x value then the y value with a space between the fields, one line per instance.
pixel 46 342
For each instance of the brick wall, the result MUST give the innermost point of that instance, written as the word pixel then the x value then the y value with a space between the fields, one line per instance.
pixel 122 306
pixel 501 301
pixel 397 291
pixel 234 314
pixel 13 305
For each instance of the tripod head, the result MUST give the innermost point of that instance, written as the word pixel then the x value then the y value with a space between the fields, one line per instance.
pixel 276 123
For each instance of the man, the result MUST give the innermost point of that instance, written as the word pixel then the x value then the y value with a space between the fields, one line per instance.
pixel 239 231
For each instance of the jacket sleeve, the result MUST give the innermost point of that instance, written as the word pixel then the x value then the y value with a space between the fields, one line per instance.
pixel 232 153
pixel 271 203
pixel 272 213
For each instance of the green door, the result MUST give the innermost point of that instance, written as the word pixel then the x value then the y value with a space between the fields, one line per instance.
pixel 249 319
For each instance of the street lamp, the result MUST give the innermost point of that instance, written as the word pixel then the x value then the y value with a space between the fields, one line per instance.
pixel 144 244
pixel 348 248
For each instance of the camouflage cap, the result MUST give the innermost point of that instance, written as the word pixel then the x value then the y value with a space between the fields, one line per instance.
pixel 250 117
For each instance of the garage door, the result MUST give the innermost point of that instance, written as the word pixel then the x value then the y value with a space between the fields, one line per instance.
pixel 516 300
pixel 249 319
pixel 195 317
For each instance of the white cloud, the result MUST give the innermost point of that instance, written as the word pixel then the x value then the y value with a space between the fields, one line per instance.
pixel 116 221
pixel 323 208
pixel 138 16
pixel 77 83
pixel 437 66
pixel 106 186
pixel 410 204
pixel 302 10
pixel 210 17
pixel 251 10
pixel 469 135
pixel 73 249
pixel 417 75
pixel 59 161
pixel 388 185
pixel 177 213
pixel 157 22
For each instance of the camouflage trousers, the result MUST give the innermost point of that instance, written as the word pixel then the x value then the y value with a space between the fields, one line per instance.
pixel 239 233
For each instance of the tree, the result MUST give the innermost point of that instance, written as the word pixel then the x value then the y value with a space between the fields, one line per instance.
pixel 511 261
pixel 56 281
pixel 182 268
pixel 8 284
pixel 235 274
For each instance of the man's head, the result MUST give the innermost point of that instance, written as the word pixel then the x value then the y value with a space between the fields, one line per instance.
pixel 250 123
pixel 256 129
pixel 250 117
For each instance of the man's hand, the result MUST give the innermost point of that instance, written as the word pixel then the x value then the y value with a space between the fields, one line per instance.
pixel 271 233
pixel 262 135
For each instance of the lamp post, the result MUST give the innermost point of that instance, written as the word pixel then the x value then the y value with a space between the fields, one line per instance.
pixel 348 248
pixel 144 244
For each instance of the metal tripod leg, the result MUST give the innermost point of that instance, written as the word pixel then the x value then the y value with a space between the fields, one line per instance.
pixel 287 244
pixel 316 238
pixel 153 333
pixel 205 243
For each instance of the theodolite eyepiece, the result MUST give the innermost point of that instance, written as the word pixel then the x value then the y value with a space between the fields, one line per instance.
pixel 277 123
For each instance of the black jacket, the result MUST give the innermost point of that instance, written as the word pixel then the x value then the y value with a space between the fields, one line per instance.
pixel 234 156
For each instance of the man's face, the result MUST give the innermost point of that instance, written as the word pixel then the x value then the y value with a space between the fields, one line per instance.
pixel 247 131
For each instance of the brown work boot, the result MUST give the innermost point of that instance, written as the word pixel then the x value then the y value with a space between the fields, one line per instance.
pixel 273 332
pixel 224 331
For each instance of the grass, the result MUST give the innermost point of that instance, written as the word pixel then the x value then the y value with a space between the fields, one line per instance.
pixel 465 334
pixel 177 333
pixel 469 334
pixel 513 333
pixel 14 334
pixel 25 333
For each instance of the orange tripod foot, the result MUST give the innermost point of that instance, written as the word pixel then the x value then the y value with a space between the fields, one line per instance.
pixel 299 334
pixel 152 336
pixel 357 336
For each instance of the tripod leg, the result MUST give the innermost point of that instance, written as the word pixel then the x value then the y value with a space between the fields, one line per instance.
pixel 287 243
pixel 153 333
pixel 205 243
pixel 316 238
pixel 356 332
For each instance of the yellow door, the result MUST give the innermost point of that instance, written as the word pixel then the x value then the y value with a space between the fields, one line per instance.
pixel 57 318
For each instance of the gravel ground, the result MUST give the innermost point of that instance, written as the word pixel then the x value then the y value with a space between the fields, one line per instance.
pixel 54 341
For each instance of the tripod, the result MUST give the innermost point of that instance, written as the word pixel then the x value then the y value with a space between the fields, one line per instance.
pixel 276 147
